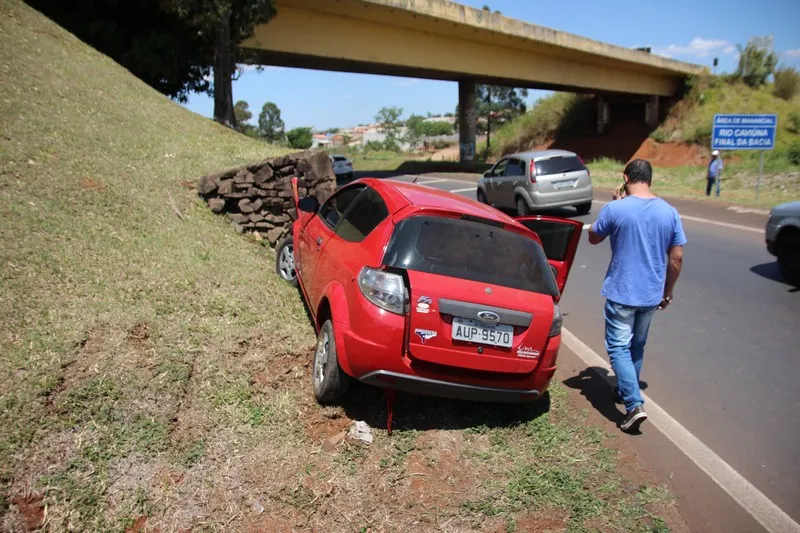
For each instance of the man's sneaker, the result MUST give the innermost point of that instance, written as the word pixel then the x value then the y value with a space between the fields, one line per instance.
pixel 617 395
pixel 634 419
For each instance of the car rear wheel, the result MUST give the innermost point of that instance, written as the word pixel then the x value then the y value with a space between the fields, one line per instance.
pixel 522 207
pixel 584 209
pixel 482 197
pixel 329 380
pixel 284 261
pixel 789 259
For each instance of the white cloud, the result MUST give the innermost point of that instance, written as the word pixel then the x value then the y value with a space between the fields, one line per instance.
pixel 794 53
pixel 697 47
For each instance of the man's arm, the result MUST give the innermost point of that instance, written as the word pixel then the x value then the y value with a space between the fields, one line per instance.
pixel 673 271
pixel 595 238
pixel 601 227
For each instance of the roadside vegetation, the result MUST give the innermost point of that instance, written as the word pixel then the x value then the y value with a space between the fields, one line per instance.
pixel 154 372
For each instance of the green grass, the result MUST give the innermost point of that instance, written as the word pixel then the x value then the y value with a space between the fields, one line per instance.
pixel 154 366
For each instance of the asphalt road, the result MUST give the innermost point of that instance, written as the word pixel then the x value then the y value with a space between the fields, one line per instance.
pixel 724 358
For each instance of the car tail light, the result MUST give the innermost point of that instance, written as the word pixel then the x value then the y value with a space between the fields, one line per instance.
pixel 584 165
pixel 384 289
pixel 533 171
pixel 555 327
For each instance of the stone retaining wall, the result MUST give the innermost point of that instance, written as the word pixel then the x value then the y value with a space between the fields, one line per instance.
pixel 258 197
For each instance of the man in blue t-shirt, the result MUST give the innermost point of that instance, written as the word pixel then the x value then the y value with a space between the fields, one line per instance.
pixel 714 173
pixel 646 257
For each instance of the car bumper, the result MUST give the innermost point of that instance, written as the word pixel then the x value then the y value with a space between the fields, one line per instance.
pixel 447 389
pixel 561 198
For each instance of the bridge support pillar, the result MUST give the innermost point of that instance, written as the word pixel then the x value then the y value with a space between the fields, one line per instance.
pixel 651 112
pixel 602 114
pixel 467 121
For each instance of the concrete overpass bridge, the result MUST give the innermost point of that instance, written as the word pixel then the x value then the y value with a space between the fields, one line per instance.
pixel 441 40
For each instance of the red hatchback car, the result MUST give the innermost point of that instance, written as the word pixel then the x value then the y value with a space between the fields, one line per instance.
pixel 420 290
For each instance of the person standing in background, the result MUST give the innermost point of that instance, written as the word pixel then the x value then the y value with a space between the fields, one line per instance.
pixel 714 172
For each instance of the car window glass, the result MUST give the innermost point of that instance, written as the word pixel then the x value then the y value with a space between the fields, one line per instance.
pixel 363 216
pixel 558 165
pixel 500 168
pixel 515 168
pixel 470 250
pixel 339 158
pixel 331 211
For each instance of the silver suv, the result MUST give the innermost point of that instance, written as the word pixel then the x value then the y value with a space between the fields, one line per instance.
pixel 530 181
pixel 783 239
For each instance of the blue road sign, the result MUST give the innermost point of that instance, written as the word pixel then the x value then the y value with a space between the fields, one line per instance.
pixel 744 132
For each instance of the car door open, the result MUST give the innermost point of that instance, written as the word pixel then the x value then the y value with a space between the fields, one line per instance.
pixel 560 238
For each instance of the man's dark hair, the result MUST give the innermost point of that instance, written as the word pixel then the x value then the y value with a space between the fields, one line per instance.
pixel 639 171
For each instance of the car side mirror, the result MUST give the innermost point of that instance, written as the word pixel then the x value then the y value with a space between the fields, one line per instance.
pixel 487 174
pixel 309 204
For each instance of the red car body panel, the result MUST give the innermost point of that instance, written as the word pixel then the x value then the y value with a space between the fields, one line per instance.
pixel 381 348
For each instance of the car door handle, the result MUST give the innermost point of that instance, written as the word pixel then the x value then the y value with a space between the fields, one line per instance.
pixel 319 242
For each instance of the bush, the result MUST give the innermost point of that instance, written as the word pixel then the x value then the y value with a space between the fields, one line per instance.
pixel 755 65
pixel 300 138
pixel 793 153
pixel 794 122
pixel 787 83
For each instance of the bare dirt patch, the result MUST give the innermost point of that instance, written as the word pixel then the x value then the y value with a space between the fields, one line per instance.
pixel 30 509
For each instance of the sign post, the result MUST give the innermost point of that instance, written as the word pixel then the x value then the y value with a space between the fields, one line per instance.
pixel 745 132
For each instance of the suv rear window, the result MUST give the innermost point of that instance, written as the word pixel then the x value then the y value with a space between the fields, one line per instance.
pixel 470 250
pixel 558 165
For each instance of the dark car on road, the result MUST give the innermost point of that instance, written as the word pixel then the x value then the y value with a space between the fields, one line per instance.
pixel 783 239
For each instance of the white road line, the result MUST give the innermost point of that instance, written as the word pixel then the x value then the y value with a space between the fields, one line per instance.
pixel 761 508
pixel 465 190
pixel 708 221
pixel 438 180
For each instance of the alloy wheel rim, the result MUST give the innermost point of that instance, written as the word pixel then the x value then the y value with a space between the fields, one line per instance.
pixel 286 263
pixel 321 358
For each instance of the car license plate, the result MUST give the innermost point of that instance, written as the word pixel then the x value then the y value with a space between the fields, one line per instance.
pixel 566 184
pixel 468 330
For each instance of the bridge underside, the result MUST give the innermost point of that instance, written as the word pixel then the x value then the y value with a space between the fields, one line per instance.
pixel 444 41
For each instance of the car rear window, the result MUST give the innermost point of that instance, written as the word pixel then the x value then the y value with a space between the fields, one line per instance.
pixel 339 158
pixel 558 165
pixel 470 250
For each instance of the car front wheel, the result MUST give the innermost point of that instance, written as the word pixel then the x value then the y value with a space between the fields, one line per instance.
pixel 284 261
pixel 329 380
pixel 584 209
pixel 789 259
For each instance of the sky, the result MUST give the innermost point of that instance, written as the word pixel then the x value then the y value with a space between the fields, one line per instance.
pixel 688 30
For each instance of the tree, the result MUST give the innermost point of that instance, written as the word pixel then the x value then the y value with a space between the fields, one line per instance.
pixel 389 120
pixel 224 24
pixel 787 83
pixel 270 125
pixel 156 45
pixel 498 104
pixel 756 65
pixel 243 115
pixel 414 129
pixel 299 138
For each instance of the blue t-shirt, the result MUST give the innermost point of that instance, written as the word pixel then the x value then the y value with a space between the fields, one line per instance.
pixel 714 168
pixel 641 230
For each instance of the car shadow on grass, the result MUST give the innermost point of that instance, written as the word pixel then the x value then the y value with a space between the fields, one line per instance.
pixel 772 272
pixel 416 412
pixel 596 385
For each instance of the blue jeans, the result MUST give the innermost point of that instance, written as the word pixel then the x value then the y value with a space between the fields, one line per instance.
pixel 626 335
pixel 710 185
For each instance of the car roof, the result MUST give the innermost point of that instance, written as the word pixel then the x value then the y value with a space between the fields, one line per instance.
pixel 411 194
pixel 541 154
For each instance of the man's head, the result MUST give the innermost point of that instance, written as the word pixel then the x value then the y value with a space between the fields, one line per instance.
pixel 715 154
pixel 638 171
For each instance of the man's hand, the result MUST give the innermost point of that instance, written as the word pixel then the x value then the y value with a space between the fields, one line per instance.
pixel 664 303
pixel 619 193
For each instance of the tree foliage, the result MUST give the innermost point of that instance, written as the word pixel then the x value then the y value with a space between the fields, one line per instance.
pixel 497 105
pixel 300 138
pixel 158 46
pixel 787 83
pixel 270 124
pixel 418 129
pixel 755 65
pixel 389 120
pixel 241 110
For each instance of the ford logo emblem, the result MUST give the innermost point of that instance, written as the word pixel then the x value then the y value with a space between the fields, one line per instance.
pixel 488 316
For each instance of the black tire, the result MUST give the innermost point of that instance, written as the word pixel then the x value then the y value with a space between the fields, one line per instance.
pixel 584 209
pixel 522 207
pixel 329 381
pixel 284 261
pixel 789 259
pixel 482 197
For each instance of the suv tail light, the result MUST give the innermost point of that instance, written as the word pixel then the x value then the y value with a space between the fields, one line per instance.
pixel 533 171
pixel 558 319
pixel 384 289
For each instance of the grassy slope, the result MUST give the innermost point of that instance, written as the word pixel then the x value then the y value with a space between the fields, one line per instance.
pixel 153 366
